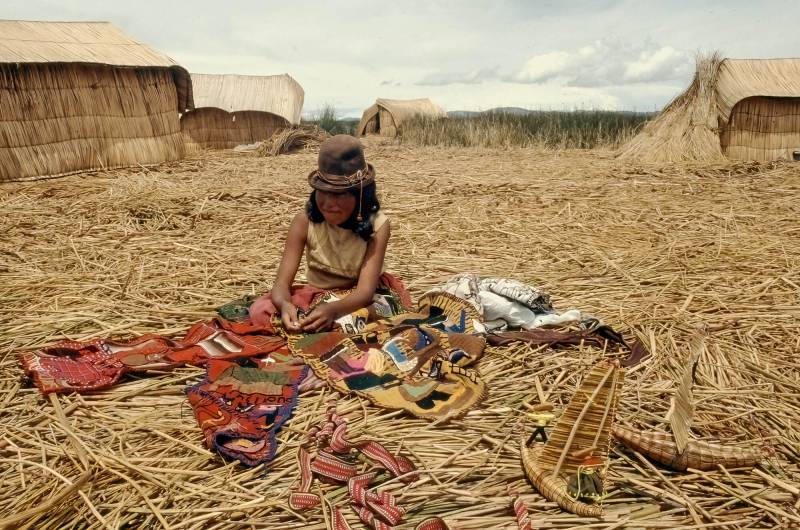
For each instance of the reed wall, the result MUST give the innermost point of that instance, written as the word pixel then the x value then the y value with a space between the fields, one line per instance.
pixel 59 118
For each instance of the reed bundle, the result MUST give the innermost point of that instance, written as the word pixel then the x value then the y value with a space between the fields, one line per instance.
pixel 687 128
pixel 658 249
pixel 293 139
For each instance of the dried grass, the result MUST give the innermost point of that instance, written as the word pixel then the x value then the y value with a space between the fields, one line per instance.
pixel 661 249
pixel 293 139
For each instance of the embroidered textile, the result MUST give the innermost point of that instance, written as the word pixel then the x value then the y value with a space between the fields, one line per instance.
pixel 71 366
pixel 240 409
pixel 415 362
pixel 330 455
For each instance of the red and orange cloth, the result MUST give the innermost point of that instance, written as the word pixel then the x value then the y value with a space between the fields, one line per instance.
pixel 72 366
pixel 251 384
pixel 240 409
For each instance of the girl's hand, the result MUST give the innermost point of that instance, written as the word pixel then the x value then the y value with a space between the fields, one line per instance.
pixel 289 318
pixel 321 318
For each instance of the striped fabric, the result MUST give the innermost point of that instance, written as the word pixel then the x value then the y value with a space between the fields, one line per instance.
pixel 379 510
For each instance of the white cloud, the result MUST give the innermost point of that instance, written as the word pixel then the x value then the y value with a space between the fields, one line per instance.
pixel 665 63
pixel 546 66
pixel 607 62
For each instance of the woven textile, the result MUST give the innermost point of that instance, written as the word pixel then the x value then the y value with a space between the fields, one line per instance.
pixel 71 366
pixel 417 362
pixel 240 409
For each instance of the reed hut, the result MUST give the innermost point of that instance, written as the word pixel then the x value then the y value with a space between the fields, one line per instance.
pixel 745 109
pixel 231 110
pixel 386 116
pixel 76 96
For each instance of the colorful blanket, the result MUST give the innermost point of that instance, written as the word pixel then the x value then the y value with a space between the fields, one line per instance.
pixel 240 409
pixel 251 383
pixel 71 366
pixel 417 362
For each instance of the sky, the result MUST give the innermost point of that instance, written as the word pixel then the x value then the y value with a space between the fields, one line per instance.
pixel 464 55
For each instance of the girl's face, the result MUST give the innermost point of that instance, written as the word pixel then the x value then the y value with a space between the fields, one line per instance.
pixel 335 207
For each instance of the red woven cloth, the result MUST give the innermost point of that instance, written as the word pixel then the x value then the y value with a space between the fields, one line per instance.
pixel 72 366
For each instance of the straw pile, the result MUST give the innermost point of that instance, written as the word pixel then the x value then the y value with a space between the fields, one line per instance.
pixel 293 139
pixel 661 250
pixel 687 128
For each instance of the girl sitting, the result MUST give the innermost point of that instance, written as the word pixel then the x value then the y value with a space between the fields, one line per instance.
pixel 344 236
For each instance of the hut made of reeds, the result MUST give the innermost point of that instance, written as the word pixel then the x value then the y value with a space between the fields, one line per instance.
pixel 231 110
pixel 76 96
pixel 746 109
pixel 386 116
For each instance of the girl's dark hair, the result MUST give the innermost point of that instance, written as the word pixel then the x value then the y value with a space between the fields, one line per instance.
pixel 369 207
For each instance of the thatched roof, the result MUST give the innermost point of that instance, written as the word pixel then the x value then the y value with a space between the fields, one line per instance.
pixel 689 127
pixel 738 79
pixel 278 94
pixel 400 110
pixel 23 41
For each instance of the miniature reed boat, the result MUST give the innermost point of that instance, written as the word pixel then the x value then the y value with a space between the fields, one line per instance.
pixel 563 469
pixel 675 450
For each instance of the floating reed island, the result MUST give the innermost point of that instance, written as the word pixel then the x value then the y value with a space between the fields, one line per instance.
pixel 657 251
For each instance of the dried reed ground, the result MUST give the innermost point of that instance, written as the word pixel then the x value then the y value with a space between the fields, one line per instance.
pixel 658 249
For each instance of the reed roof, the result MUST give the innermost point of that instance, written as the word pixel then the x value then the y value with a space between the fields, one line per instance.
pixel 29 41
pixel 689 126
pixel 278 94
pixel 401 110
pixel 738 79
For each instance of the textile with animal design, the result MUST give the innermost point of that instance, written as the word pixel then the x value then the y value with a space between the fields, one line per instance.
pixel 415 362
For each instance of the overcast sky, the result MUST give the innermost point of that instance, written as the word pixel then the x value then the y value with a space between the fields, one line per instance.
pixel 611 54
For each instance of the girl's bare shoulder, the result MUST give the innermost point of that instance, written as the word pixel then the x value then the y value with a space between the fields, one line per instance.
pixel 300 220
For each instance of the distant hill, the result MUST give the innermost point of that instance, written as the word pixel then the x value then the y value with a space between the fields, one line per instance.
pixel 496 110
pixel 518 111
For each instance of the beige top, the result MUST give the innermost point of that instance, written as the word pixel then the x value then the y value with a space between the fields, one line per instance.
pixel 334 255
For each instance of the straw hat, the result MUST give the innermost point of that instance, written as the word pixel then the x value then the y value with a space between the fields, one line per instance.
pixel 341 165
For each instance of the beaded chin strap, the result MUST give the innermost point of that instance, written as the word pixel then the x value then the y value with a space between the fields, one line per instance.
pixel 360 198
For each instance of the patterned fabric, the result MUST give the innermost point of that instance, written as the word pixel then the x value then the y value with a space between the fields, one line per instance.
pixel 417 362
pixel 505 303
pixel 71 366
pixel 240 409
pixel 521 513
pixel 237 310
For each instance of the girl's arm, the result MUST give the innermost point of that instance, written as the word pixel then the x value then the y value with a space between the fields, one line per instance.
pixel 323 316
pixel 287 270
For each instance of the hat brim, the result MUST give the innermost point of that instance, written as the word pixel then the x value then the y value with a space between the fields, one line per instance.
pixel 318 182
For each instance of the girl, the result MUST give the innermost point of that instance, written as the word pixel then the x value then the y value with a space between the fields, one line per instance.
pixel 344 236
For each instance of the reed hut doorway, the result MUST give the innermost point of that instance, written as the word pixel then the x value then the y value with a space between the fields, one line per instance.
pixel 762 128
